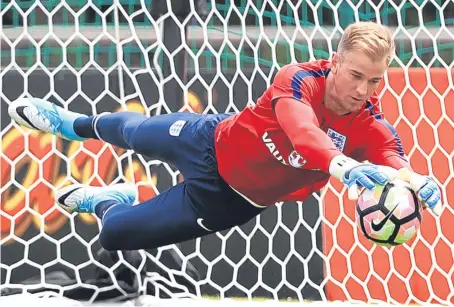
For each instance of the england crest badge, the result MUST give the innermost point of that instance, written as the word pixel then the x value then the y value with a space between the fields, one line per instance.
pixel 337 138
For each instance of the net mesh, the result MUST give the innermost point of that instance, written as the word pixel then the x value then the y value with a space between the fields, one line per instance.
pixel 94 56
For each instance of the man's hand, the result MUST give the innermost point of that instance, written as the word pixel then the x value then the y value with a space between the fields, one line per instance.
pixel 427 190
pixel 357 175
pixel 364 176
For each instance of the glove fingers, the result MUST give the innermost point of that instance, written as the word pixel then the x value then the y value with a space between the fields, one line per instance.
pixel 417 182
pixel 432 200
pixel 364 181
pixel 437 208
pixel 380 178
pixel 427 191
pixel 353 192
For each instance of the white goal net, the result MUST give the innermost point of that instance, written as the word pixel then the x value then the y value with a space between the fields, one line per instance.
pixel 213 56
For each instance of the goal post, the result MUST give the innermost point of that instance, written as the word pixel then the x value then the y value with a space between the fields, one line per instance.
pixel 217 56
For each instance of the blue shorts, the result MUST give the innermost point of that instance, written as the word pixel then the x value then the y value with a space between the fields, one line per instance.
pixel 204 203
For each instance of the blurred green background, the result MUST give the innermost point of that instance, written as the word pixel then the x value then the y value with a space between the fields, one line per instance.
pixel 433 49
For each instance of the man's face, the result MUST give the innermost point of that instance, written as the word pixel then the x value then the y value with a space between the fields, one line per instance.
pixel 355 77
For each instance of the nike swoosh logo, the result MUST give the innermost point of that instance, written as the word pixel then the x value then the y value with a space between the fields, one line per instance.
pixel 21 113
pixel 199 221
pixel 62 198
pixel 379 226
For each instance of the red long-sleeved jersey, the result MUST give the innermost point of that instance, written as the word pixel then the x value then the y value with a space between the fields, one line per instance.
pixel 280 149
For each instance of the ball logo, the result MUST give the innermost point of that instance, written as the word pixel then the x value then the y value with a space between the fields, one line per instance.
pixel 378 226
pixel 295 160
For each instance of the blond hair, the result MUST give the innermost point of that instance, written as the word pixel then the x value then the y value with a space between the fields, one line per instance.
pixel 372 38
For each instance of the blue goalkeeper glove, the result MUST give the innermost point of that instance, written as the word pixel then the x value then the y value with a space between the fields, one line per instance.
pixel 356 175
pixel 427 190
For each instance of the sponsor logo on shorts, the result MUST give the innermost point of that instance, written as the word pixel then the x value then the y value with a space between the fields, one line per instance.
pixel 199 221
pixel 176 127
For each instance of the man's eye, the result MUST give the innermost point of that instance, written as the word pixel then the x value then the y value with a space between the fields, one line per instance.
pixel 357 77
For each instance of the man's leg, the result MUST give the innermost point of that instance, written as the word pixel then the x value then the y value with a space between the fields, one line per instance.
pixel 171 138
pixel 157 137
pixel 184 140
pixel 42 115
pixel 201 205
pixel 165 219
pixel 186 211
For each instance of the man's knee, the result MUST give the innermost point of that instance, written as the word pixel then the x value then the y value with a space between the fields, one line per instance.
pixel 131 131
pixel 108 238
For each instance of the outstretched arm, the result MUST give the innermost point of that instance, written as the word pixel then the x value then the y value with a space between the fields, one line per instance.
pixel 293 90
pixel 301 127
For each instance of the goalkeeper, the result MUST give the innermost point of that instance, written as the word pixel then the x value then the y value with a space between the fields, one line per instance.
pixel 317 119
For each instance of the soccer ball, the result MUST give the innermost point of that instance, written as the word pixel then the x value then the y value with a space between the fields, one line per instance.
pixel 389 215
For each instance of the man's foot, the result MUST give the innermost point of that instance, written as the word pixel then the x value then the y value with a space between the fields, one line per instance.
pixel 45 116
pixel 84 198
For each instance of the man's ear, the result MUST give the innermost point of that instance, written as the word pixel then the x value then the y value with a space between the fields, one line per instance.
pixel 335 61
